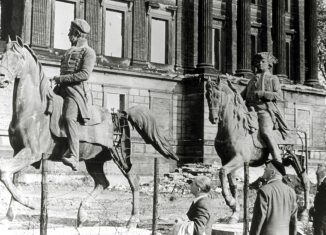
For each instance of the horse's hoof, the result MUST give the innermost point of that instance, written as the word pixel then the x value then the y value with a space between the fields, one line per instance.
pixel 133 222
pixel 81 217
pixel 233 220
pixel 10 214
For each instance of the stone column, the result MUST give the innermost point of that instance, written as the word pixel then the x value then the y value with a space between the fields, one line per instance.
pixel 311 43
pixel 279 37
pixel 178 47
pixel 267 42
pixel 301 43
pixel 231 36
pixel 139 49
pixel 205 37
pixel 244 42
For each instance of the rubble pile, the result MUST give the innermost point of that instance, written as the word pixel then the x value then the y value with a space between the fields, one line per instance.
pixel 178 182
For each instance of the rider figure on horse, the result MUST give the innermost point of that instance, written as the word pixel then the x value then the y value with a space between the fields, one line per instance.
pixel 76 67
pixel 261 94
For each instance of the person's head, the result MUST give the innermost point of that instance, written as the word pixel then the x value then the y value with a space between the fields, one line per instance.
pixel 320 173
pixel 264 61
pixel 79 28
pixel 274 169
pixel 200 185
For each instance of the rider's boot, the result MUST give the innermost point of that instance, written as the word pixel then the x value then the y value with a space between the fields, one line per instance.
pixel 71 160
pixel 71 157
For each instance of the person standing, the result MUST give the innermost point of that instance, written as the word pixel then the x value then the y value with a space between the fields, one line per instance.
pixel 261 94
pixel 76 67
pixel 275 209
pixel 319 214
pixel 199 211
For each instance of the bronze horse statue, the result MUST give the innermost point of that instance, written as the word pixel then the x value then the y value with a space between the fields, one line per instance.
pixel 234 142
pixel 30 134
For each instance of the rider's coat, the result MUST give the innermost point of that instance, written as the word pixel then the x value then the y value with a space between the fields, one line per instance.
pixel 76 67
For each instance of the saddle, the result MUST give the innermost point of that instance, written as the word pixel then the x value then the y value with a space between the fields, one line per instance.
pixel 98 130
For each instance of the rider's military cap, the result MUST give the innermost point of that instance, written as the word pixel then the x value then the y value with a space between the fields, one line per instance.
pixel 81 25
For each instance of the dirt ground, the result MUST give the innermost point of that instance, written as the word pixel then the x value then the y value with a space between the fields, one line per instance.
pixel 113 207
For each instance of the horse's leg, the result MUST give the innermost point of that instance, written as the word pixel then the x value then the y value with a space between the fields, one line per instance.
pixel 231 166
pixel 292 159
pixel 11 214
pixel 134 186
pixel 234 192
pixel 9 167
pixel 95 169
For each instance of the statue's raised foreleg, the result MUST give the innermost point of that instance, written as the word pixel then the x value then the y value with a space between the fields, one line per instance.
pixel 9 167
pixel 11 214
pixel 95 169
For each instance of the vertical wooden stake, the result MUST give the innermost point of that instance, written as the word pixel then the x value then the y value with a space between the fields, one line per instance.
pixel 245 199
pixel 155 196
pixel 44 196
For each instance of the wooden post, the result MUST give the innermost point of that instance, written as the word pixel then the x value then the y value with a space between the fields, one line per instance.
pixel 155 196
pixel 44 196
pixel 245 199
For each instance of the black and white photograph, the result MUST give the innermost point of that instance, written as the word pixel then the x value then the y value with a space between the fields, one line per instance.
pixel 163 117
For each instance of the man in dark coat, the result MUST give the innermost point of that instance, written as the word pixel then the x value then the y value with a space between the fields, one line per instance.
pixel 275 210
pixel 76 67
pixel 319 214
pixel 199 211
pixel 261 94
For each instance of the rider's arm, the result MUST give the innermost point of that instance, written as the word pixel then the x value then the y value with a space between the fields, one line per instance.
pixel 84 73
pixel 275 94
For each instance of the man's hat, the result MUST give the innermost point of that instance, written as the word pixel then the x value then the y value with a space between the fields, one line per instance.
pixel 81 25
pixel 278 166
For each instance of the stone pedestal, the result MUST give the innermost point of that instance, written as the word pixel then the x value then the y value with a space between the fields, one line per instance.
pixel 237 229
pixel 227 229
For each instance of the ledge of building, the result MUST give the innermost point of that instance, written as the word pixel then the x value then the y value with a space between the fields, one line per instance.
pixel 298 88
pixel 135 72
pixel 304 89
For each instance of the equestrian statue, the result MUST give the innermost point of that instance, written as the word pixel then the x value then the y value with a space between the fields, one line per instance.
pixel 249 127
pixel 39 124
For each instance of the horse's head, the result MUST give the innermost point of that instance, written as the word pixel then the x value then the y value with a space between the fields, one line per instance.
pixel 12 62
pixel 214 96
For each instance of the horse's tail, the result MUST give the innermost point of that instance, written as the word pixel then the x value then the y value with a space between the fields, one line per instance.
pixel 144 122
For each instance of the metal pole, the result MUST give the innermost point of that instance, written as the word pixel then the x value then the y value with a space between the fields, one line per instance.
pixel 155 196
pixel 245 199
pixel 308 181
pixel 44 196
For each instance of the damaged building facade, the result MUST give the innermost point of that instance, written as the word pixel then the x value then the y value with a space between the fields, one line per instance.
pixel 158 53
